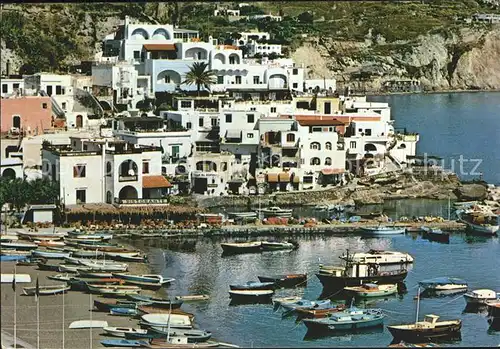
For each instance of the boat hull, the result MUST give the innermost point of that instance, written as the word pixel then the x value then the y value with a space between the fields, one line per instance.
pixel 338 282
pixel 381 232
pixel 375 293
pixel 426 334
pixel 284 281
pixel 255 286
pixel 316 326
pixel 232 249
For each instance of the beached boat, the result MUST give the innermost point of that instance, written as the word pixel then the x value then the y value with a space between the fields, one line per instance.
pixel 372 290
pixel 241 247
pixel 104 304
pixel 60 277
pixel 381 231
pixel 134 259
pixel 156 302
pixel 275 246
pixel 146 308
pixel 441 286
pixel 288 280
pixel 187 298
pixel 8 237
pixel 178 342
pixel 18 245
pixel 66 268
pixel 87 272
pixel 46 290
pixel 251 295
pixel 115 290
pixel 482 296
pixel 121 331
pixel 275 211
pixel 80 253
pixel 146 280
pixel 123 311
pixel 434 234
pixel 81 324
pixel 47 266
pixel 105 265
pixel 348 320
pixel 355 274
pixel 165 320
pixel 193 336
pixel 50 243
pixel 253 285
pixel 378 257
pixel 32 235
pixel 20 278
pixel 124 343
pixel 429 329
pixel 12 258
pixel 50 254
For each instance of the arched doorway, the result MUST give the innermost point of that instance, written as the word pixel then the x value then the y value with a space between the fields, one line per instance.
pixel 9 173
pixel 79 121
pixel 370 147
pixel 16 121
pixel 128 170
pixel 128 192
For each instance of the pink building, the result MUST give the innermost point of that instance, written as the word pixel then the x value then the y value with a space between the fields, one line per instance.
pixel 30 114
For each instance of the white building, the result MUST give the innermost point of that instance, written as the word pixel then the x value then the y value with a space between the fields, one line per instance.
pixel 12 86
pixel 122 173
pixel 255 47
pixel 322 84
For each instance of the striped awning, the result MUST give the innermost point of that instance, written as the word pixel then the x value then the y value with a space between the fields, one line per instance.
pixel 272 178
pixel 284 177
pixel 233 134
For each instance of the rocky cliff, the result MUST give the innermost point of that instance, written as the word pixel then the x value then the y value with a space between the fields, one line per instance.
pixel 466 59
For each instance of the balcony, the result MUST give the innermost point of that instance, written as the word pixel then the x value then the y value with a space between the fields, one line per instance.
pixel 159 201
pixel 127 178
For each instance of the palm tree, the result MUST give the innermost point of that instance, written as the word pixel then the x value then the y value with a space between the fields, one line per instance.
pixel 200 76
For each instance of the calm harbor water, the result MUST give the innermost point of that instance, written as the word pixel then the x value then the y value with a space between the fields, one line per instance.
pixel 453 125
pixel 206 271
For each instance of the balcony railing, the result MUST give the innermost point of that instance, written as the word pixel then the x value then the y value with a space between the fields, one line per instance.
pixel 141 201
pixel 127 178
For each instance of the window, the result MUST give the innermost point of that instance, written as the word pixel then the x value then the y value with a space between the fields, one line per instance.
pixel 49 90
pixel 232 60
pixel 255 79
pixel 175 151
pixel 328 107
pixel 328 146
pixel 237 80
pixel 352 144
pixel 16 121
pixel 273 109
pixel 368 131
pixel 249 135
pixel 200 122
pixel 328 161
pixel 250 118
pixel 295 71
pixel 315 161
pixel 220 79
pixel 108 168
pixel 145 166
pixel 63 105
pixel 167 79
pixel 79 171
pixel 16 86
pixel 81 196
pixel 58 90
pixel 315 146
pixel 295 85
pixel 307 179
pixel 214 122
pixel 4 88
pixel 229 118
pixel 188 125
pixel 224 166
pixel 185 104
pixel 253 109
pixel 44 105
pixel 137 54
pixel 85 147
pixel 290 137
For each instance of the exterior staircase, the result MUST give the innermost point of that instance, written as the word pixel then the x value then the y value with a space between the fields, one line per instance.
pixel 89 101
pixel 56 109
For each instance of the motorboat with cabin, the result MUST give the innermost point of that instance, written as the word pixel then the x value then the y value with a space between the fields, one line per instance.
pixel 276 211
pixel 442 286
pixel 481 296
pixel 378 257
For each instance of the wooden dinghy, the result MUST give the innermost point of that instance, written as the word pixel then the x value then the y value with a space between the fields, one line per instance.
pixel 46 290
pixel 148 309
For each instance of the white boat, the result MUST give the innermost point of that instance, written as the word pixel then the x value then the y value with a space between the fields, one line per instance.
pixel 481 296
pixel 164 320
pixel 40 235
pixel 105 265
pixel 120 331
pixel 372 290
pixel 275 246
pixel 46 290
pixel 382 230
pixel 250 294
pixel 242 214
pixel 20 278
pixel 275 211
pixel 8 237
pixel 286 300
pixel 50 254
pixel 150 280
pixel 121 254
pixel 50 243
pixel 118 290
pixel 328 208
pixel 65 268
pixel 18 245
pixel 200 297
pixel 241 247
pixel 378 257
pixel 80 324
pixel 444 285
pixel 60 277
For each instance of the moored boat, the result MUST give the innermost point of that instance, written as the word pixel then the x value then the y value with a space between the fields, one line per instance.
pixel 275 245
pixel 46 290
pixel 434 234
pixel 429 329
pixel 372 290
pixel 479 220
pixel 382 231
pixel 307 304
pixel 287 280
pixel 319 313
pixel 242 214
pixel 251 295
pixel 146 280
pixel 149 309
pixel 348 320
pixel 241 247
pixel 482 296
pixel 156 302
pixel 276 211
pixel 193 336
pixel 442 286
pixel 253 285
pixel 378 257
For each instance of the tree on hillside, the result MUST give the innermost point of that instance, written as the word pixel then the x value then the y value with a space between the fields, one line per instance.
pixel 306 17
pixel 200 76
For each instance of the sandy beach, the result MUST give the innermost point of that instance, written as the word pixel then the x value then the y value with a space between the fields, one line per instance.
pixel 77 306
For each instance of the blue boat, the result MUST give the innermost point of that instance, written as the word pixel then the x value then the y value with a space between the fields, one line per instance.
pixel 442 286
pixel 12 258
pixel 254 285
pixel 382 231
pixel 434 234
pixel 127 343
pixel 307 304
pixel 123 311
pixel 348 320
pixel 155 302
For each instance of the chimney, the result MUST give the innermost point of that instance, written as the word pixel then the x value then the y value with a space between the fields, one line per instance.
pixel 7 68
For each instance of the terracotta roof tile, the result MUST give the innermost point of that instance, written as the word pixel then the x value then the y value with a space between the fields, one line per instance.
pixel 155 182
